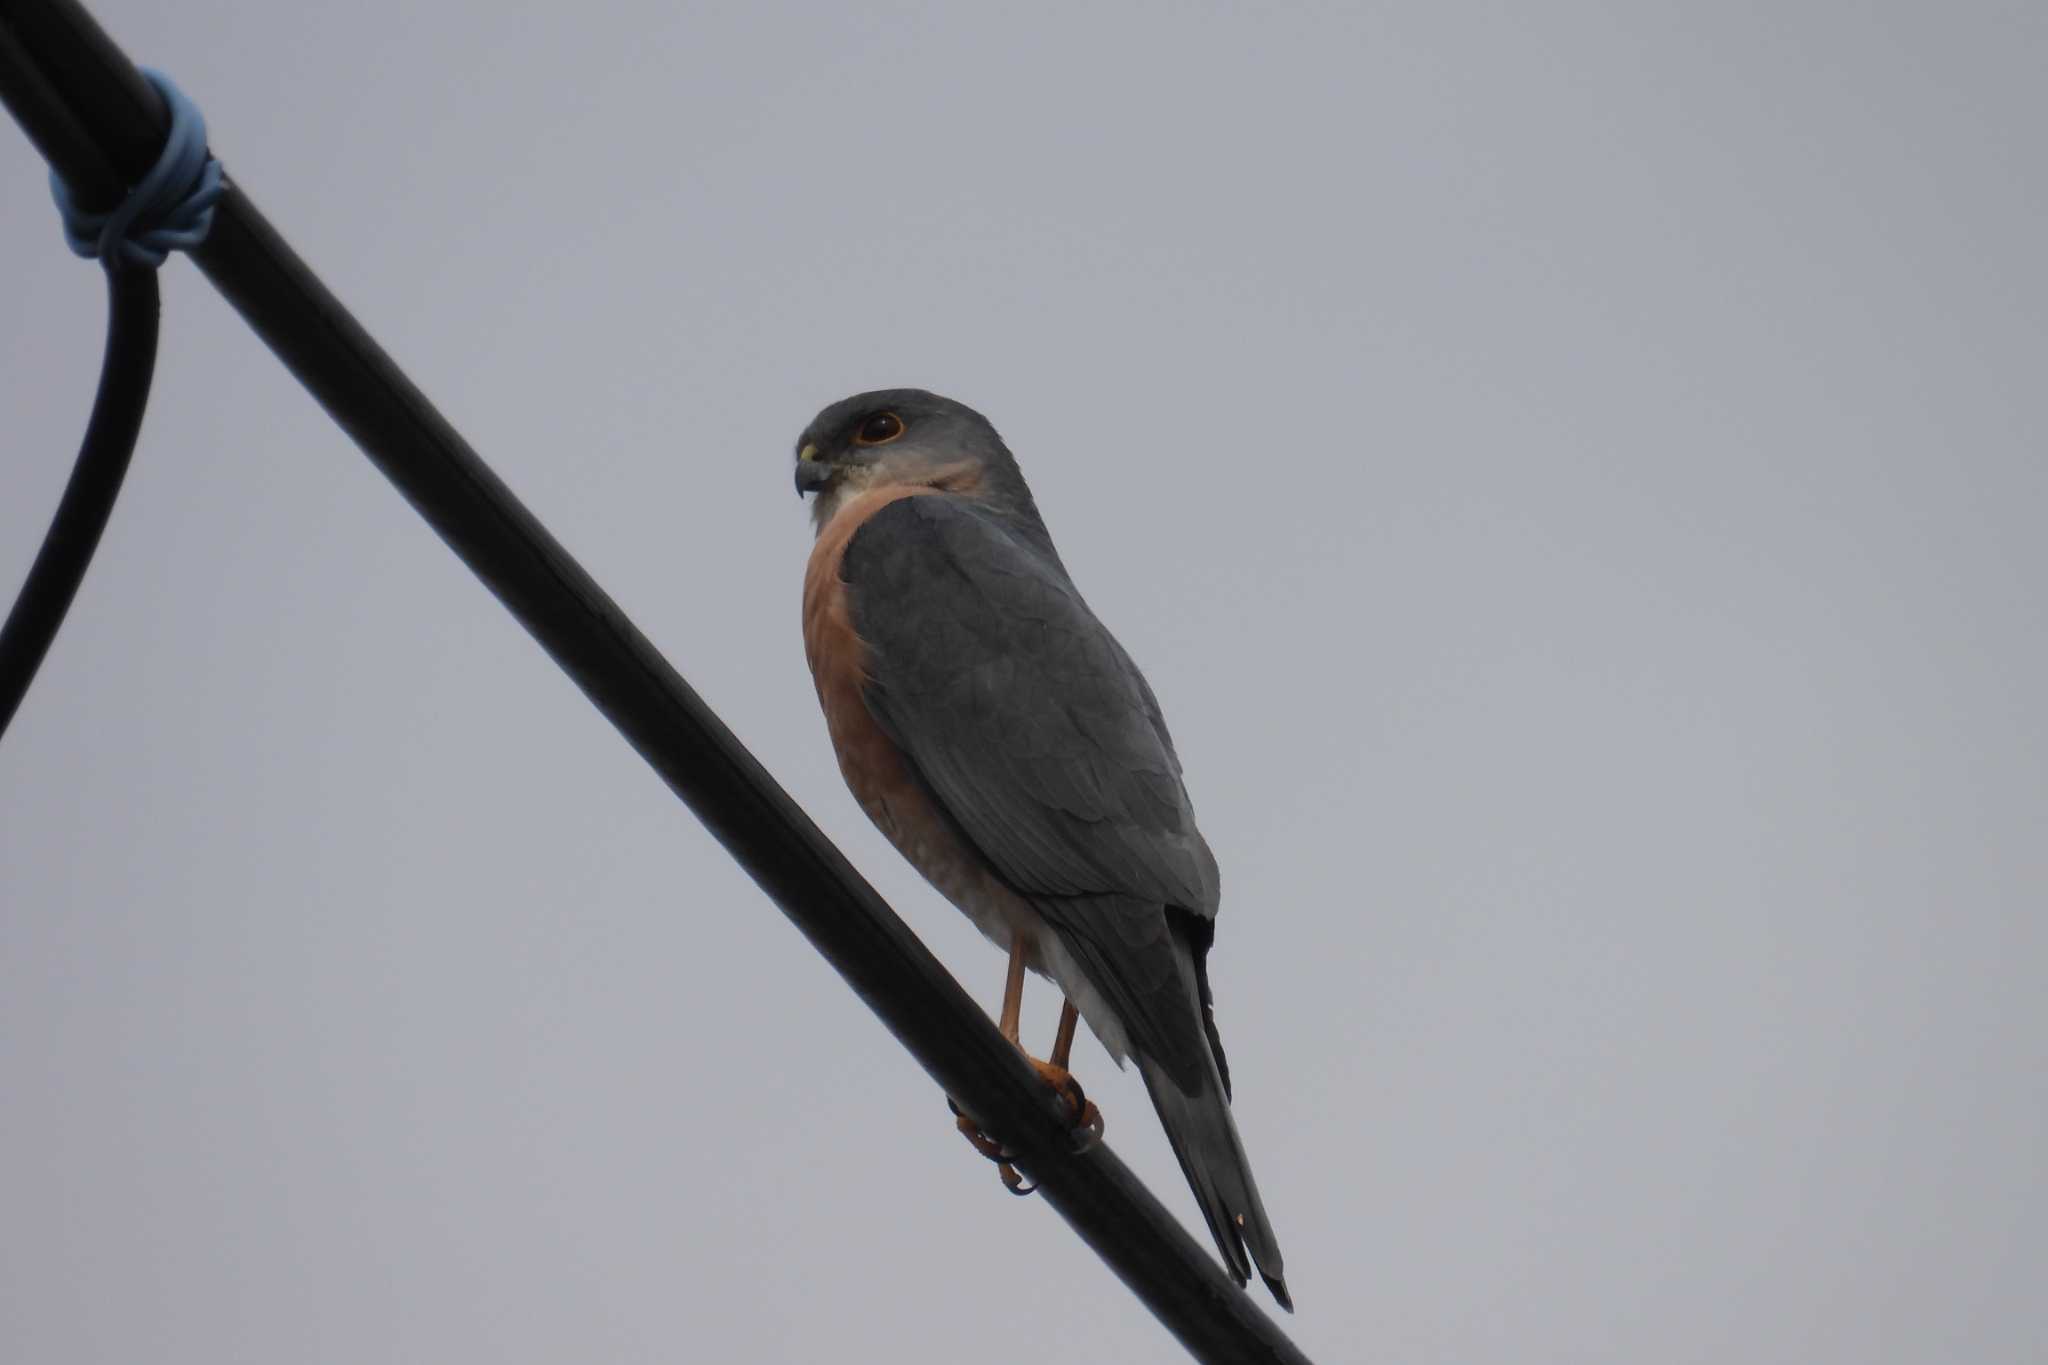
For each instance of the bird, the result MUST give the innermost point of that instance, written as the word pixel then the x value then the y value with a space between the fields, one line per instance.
pixel 1001 738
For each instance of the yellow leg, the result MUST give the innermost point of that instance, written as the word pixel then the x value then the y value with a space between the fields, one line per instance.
pixel 1063 1042
pixel 1013 993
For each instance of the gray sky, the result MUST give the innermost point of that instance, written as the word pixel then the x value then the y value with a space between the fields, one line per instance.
pixel 1575 479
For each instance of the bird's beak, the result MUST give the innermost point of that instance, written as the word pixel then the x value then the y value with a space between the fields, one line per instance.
pixel 812 473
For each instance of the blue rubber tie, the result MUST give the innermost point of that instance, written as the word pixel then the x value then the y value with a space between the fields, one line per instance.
pixel 171 209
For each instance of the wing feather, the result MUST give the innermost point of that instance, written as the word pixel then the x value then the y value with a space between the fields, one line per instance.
pixel 1037 735
pixel 1020 708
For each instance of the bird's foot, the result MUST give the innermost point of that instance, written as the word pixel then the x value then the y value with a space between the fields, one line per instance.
pixel 1088 1124
pixel 1087 1118
pixel 990 1148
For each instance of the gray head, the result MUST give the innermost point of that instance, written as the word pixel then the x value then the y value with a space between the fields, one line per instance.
pixel 907 436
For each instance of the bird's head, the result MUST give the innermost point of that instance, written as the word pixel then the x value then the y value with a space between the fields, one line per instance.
pixel 892 437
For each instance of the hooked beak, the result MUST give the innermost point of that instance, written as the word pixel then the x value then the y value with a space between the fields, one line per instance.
pixel 812 473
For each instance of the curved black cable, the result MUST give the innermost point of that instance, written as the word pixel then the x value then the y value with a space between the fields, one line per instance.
pixel 125 371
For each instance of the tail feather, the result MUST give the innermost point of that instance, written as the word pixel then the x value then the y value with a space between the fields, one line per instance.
pixel 1171 1033
pixel 1204 1138
pixel 1204 1135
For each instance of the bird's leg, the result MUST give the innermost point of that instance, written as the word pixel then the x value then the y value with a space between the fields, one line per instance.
pixel 1063 1041
pixel 1087 1118
pixel 1013 993
pixel 1008 1023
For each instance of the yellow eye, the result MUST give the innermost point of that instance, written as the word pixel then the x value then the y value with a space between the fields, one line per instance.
pixel 878 429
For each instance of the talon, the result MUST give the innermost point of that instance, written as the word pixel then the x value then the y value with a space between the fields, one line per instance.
pixel 1091 1124
pixel 1087 1118
pixel 990 1148
pixel 978 1140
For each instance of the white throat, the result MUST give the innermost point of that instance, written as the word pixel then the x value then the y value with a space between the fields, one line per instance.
pixel 850 484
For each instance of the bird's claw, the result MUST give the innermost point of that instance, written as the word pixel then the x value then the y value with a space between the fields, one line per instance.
pixel 990 1148
pixel 1088 1125
pixel 1088 1122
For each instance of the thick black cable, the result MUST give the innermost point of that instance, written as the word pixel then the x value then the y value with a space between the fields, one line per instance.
pixel 51 52
pixel 59 567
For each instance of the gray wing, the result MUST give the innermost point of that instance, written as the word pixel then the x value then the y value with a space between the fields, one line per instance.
pixel 1036 734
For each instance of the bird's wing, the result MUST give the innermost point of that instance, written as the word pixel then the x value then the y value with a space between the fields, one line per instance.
pixel 1038 737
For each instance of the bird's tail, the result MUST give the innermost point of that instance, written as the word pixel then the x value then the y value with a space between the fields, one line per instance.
pixel 1204 1137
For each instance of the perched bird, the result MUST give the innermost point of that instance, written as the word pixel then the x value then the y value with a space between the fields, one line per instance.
pixel 1000 737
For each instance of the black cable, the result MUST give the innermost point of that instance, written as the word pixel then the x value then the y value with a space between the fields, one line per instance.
pixel 130 360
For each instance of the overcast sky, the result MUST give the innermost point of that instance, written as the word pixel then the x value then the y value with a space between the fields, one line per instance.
pixel 1573 474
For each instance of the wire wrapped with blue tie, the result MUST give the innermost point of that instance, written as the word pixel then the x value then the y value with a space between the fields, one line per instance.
pixel 169 209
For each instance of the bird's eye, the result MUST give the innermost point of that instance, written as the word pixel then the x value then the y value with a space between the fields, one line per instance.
pixel 878 429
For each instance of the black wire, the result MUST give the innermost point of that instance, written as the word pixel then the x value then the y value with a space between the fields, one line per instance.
pixel 130 360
